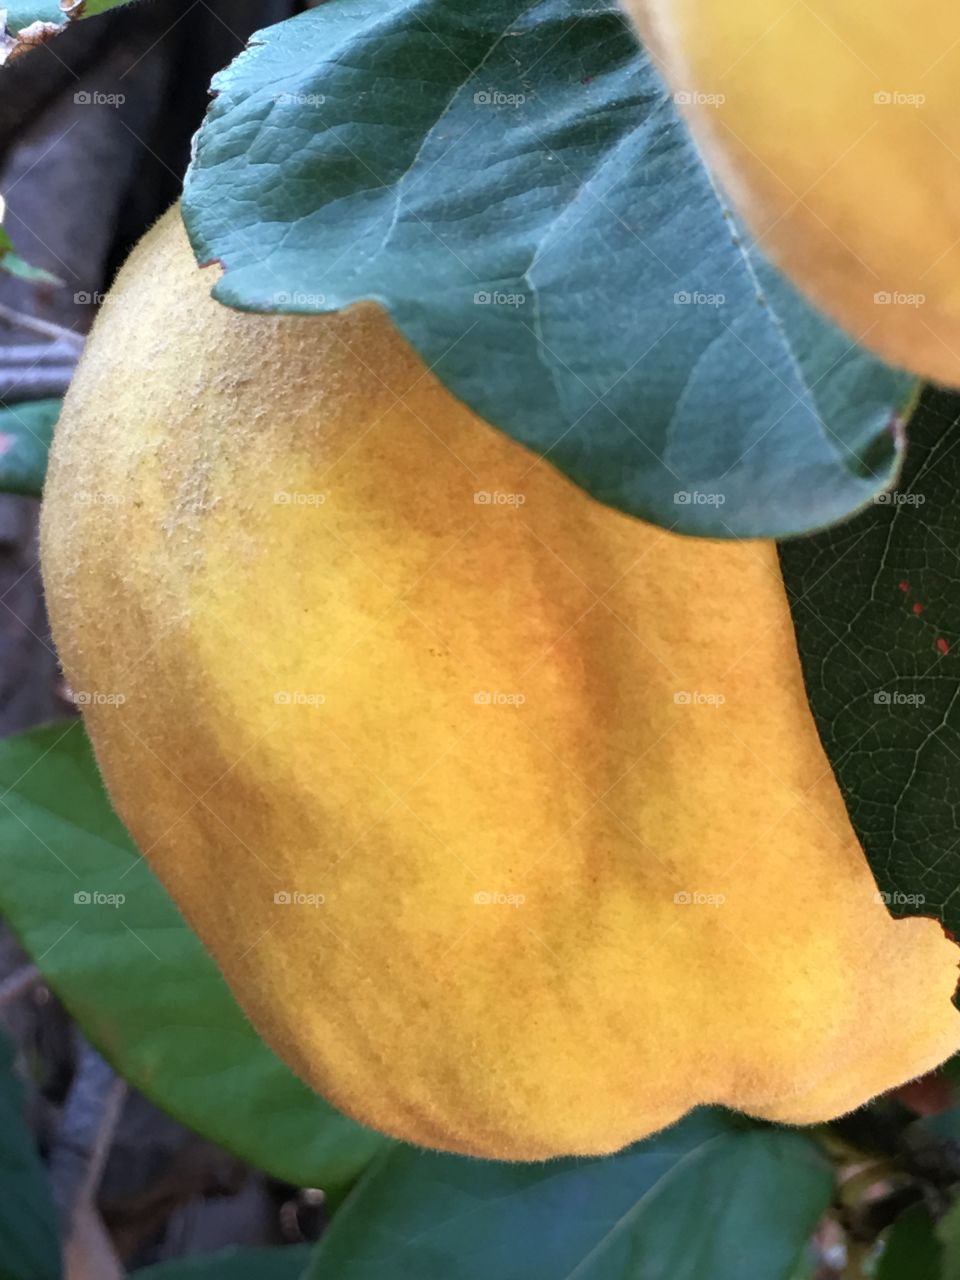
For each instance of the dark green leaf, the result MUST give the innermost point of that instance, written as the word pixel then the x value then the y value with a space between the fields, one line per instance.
pixel 116 950
pixel 26 431
pixel 715 1196
pixel 877 611
pixel 515 184
pixel 29 1231
pixel 911 1250
pixel 948 1236
pixel 234 1264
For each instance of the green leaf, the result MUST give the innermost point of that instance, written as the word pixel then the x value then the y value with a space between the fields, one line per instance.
pixel 911 1250
pixel 29 1231
pixel 14 265
pixel 715 1196
pixel 116 950
pixel 877 611
pixel 516 185
pixel 234 1264
pixel 26 431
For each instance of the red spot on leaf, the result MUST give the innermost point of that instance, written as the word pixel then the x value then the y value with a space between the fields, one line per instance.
pixel 904 586
pixel 6 443
pixel 942 645
pixel 918 607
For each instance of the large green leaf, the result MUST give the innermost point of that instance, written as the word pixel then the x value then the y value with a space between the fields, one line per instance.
pixel 116 950
pixel 877 610
pixel 29 1230
pixel 234 1264
pixel 26 431
pixel 715 1197
pixel 514 182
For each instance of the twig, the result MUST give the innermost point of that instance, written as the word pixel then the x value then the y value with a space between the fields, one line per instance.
pixel 858 1254
pixel 83 1143
pixel 35 383
pixel 37 325
pixel 26 353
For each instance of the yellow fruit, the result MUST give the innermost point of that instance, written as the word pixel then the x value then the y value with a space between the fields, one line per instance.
pixel 835 126
pixel 504 814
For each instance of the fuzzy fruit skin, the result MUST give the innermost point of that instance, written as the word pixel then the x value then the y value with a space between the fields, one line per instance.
pixel 848 181
pixel 600 1009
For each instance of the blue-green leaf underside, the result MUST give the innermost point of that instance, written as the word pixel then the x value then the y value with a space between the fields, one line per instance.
pixel 515 184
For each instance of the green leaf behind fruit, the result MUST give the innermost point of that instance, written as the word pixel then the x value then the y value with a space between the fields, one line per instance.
pixel 716 1196
pixel 26 432
pixel 113 946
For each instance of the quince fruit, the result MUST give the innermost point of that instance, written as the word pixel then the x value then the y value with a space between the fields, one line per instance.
pixel 835 127
pixel 503 813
